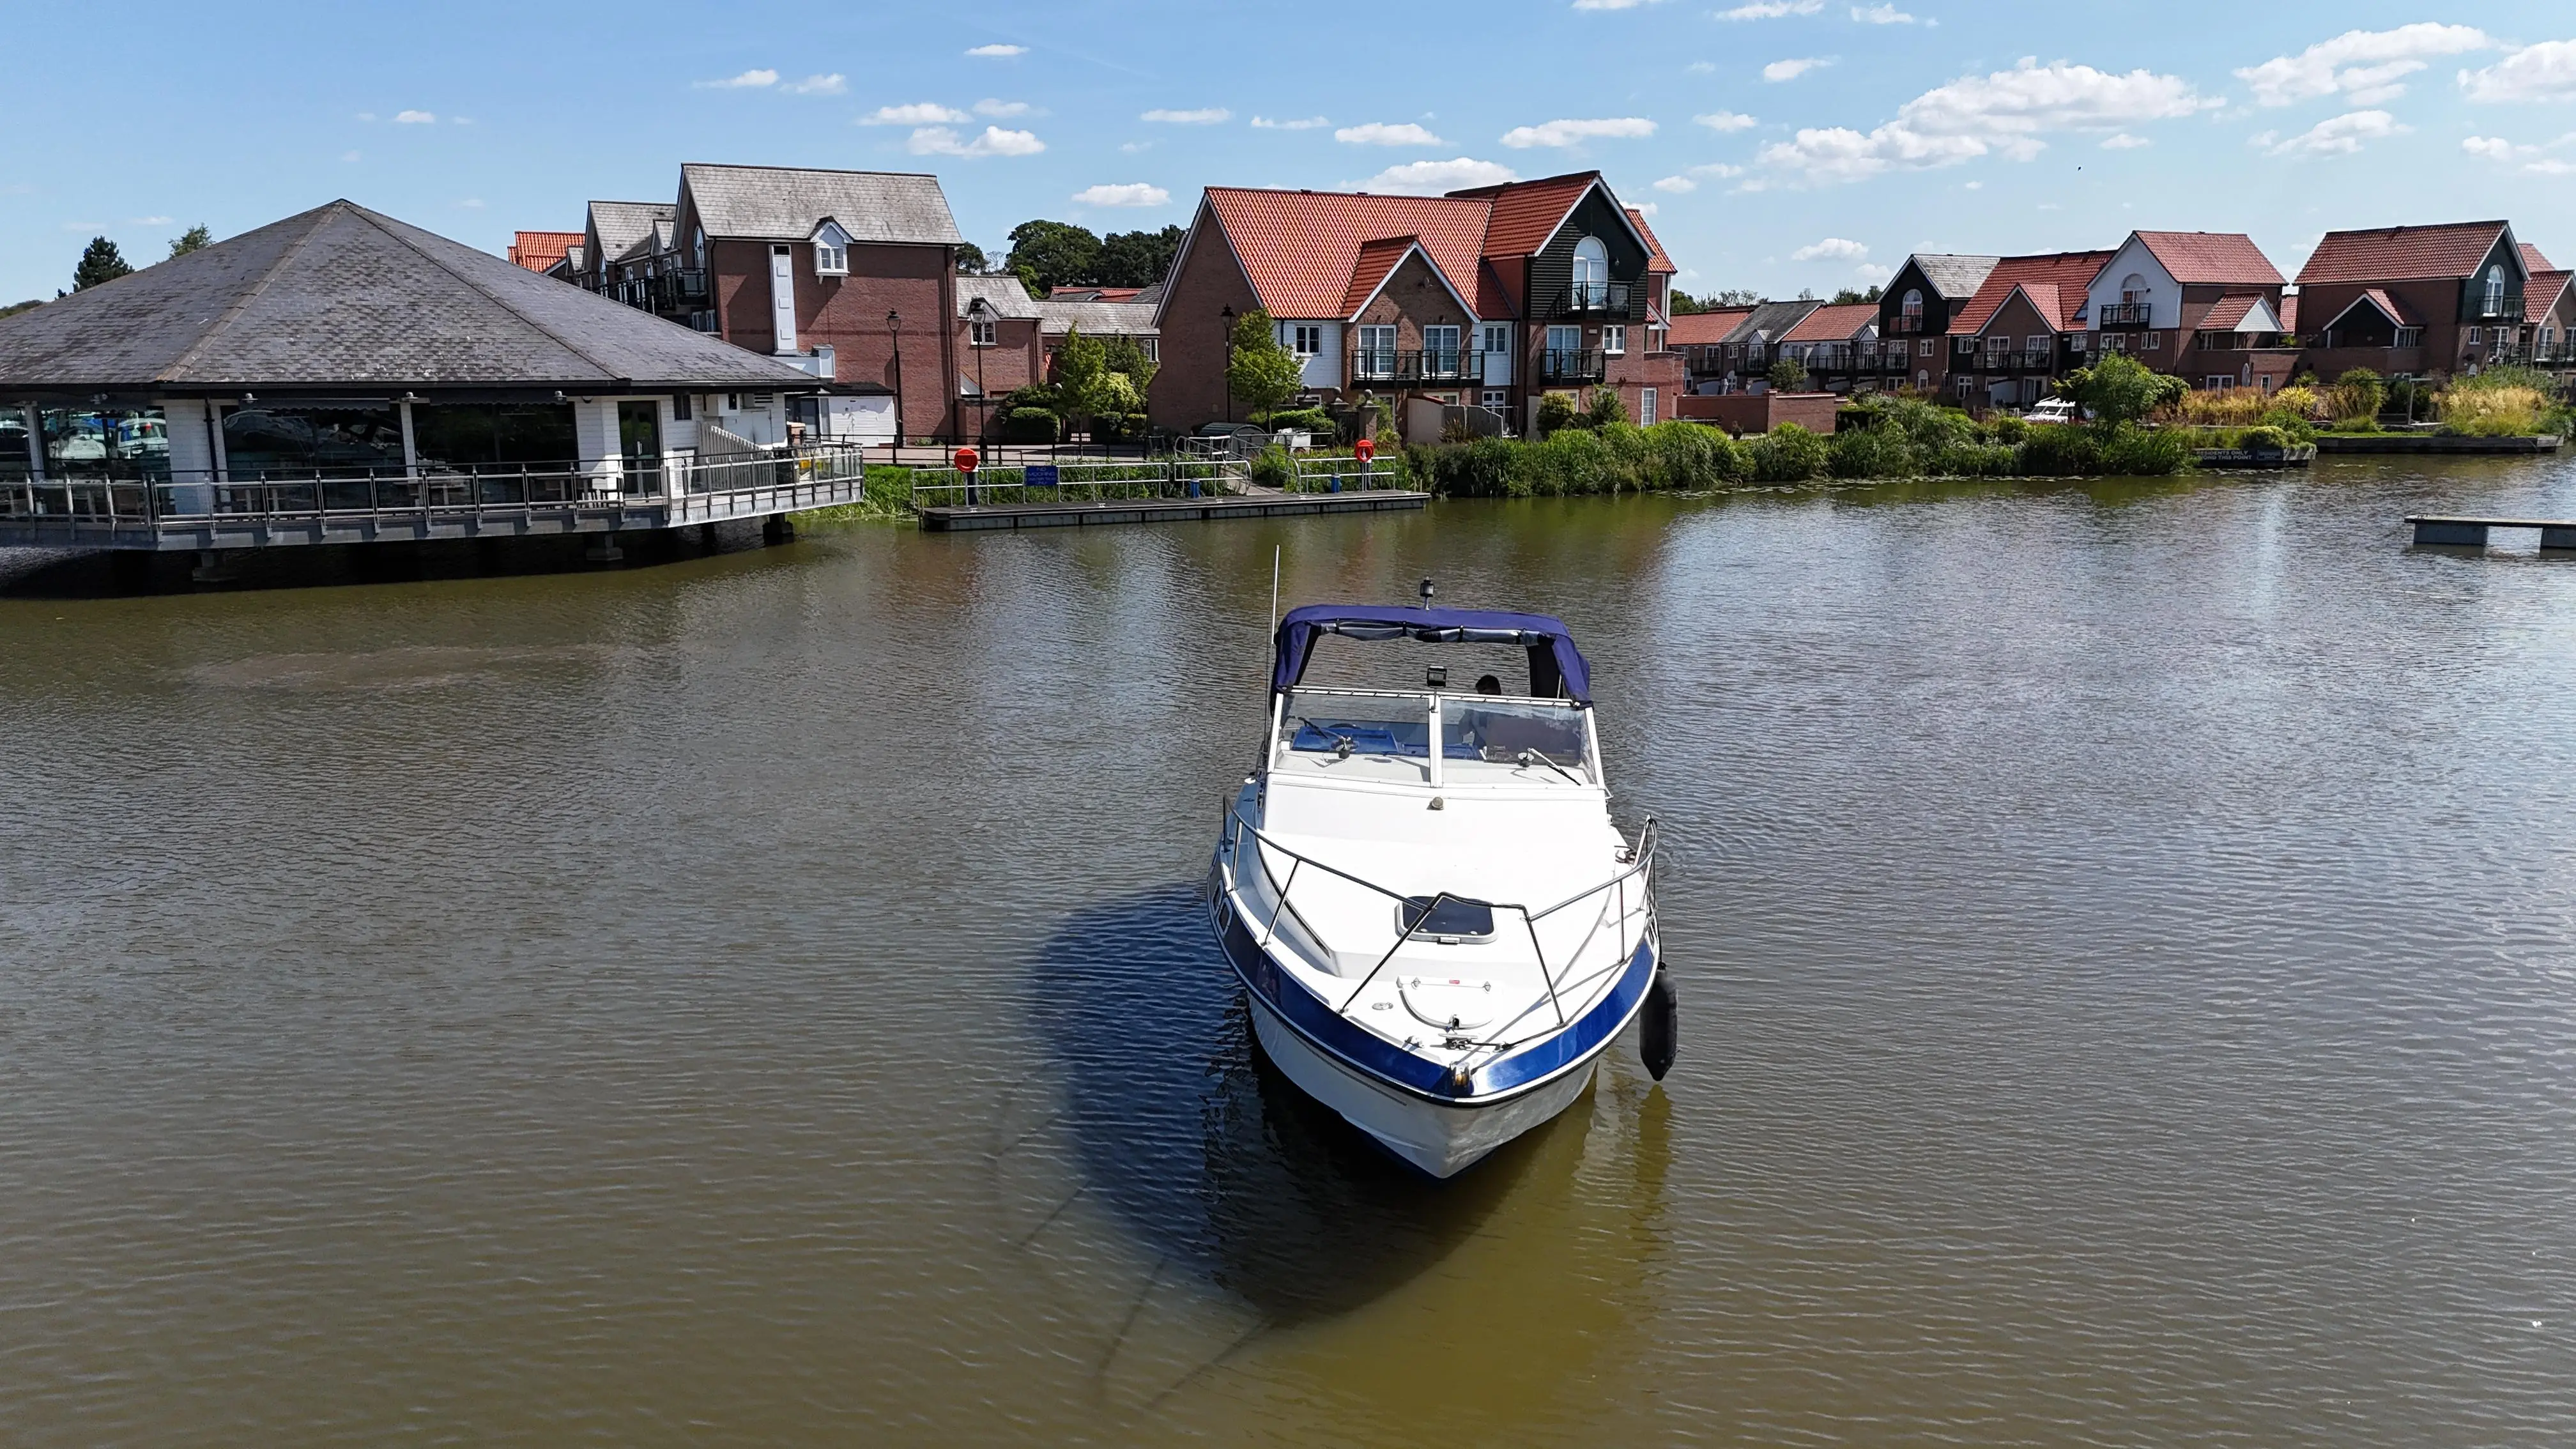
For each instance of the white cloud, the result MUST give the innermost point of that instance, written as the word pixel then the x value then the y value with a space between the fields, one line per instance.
pixel 1881 15
pixel 1381 133
pixel 350 156
pixel 1132 147
pixel 750 80
pixel 1430 178
pixel 1575 133
pixel 2123 141
pixel 1701 67
pixel 415 118
pixel 460 120
pixel 1690 178
pixel 1789 70
pixel 1771 9
pixel 1873 272
pixel 999 109
pixel 1646 208
pixel 942 141
pixel 1122 193
pixel 472 203
pixel 1211 116
pixel 1834 248
pixel 2362 64
pixel 1725 121
pixel 818 85
pixel 366 115
pixel 1308 123
pixel 2339 136
pixel 998 50
pixel 2533 159
pixel 149 220
pixel 2007 112
pixel 919 113
pixel 2543 72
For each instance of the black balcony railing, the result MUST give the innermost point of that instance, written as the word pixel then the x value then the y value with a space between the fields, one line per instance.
pixel 2041 361
pixel 1910 323
pixel 1570 365
pixel 1416 365
pixel 1586 299
pixel 2126 314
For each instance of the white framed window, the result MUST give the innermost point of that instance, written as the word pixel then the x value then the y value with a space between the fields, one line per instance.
pixel 831 251
pixel 2154 342
pixel 1306 338
pixel 1614 341
pixel 1152 347
pixel 2077 342
pixel 1498 337
pixel 1646 407
pixel 2034 344
pixel 1923 348
pixel 2216 383
pixel 983 334
pixel 1591 273
pixel 1375 355
pixel 1441 342
pixel 2495 290
pixel 1495 398
pixel 1967 384
pixel 1997 342
pixel 2500 337
pixel 2115 342
pixel 1967 344
pixel 2410 336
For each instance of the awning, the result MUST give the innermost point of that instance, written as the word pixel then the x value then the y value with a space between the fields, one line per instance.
pixel 1556 666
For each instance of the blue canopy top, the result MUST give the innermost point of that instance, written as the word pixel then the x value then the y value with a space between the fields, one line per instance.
pixel 1556 666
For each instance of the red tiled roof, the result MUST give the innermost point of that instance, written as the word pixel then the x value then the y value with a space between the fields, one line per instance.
pixel 1300 247
pixel 1834 323
pixel 1303 250
pixel 1706 329
pixel 2227 311
pixel 2401 253
pixel 2541 293
pixel 2532 260
pixel 1656 261
pixel 2065 275
pixel 1378 257
pixel 538 250
pixel 2211 256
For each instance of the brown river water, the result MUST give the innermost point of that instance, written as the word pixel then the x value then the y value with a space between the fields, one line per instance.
pixel 2126 938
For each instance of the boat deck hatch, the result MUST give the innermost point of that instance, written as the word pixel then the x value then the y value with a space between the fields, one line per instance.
pixel 1446 916
pixel 1451 1003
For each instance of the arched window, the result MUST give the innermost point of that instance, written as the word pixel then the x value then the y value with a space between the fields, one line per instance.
pixel 1911 309
pixel 2495 290
pixel 2133 288
pixel 1591 272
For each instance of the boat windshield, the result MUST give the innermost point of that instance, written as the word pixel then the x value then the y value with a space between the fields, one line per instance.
pixel 1473 727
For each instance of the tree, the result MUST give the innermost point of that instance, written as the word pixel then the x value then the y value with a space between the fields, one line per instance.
pixel 194 239
pixel 1787 375
pixel 1604 409
pixel 1136 258
pixel 1081 377
pixel 1258 371
pixel 1046 255
pixel 2359 394
pixel 101 262
pixel 2121 389
pixel 1126 358
pixel 1850 295
pixel 1557 412
pixel 1684 303
pixel 971 261
pixel 14 308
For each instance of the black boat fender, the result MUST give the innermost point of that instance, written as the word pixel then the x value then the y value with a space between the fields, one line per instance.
pixel 1659 1025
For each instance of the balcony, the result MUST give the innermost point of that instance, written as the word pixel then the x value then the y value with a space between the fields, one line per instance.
pixel 1431 366
pixel 1590 299
pixel 2040 361
pixel 2126 314
pixel 1911 324
pixel 1570 365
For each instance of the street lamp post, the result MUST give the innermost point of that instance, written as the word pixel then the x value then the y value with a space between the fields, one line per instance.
pixel 894 331
pixel 978 313
pixel 1225 376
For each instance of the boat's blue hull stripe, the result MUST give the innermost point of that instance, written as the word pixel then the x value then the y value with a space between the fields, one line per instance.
pixel 1381 1058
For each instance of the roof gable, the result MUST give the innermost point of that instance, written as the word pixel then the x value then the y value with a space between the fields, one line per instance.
pixel 2240 312
pixel 2402 253
pixel 341 295
pixel 2379 300
pixel 621 226
pixel 2065 274
pixel 1952 276
pixel 1834 322
pixel 2205 257
pixel 1300 249
pixel 1706 329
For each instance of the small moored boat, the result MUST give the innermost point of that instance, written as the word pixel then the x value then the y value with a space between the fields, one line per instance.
pixel 1437 925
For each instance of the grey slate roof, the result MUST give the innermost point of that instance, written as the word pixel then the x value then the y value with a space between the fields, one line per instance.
pixel 1955 276
pixel 341 296
pixel 1772 319
pixel 624 225
pixel 1096 319
pixel 784 203
pixel 1004 295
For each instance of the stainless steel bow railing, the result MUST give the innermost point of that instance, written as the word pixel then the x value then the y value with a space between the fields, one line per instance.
pixel 1639 858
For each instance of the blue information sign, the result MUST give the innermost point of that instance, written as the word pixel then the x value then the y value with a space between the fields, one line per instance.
pixel 1039 475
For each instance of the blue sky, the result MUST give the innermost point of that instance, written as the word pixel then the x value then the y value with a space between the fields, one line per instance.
pixel 1782 143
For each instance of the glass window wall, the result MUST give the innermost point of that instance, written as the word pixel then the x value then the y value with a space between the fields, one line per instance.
pixel 303 440
pixel 124 444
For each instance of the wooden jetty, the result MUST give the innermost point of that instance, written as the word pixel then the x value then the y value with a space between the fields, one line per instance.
pixel 2555 533
pixel 1073 514
pixel 2433 443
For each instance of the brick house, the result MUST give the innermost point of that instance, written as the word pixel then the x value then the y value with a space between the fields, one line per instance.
pixel 1487 298
pixel 1011 340
pixel 1751 346
pixel 2548 312
pixel 2023 328
pixel 2204 306
pixel 1838 344
pixel 1700 338
pixel 542 251
pixel 2414 301
pixel 1915 310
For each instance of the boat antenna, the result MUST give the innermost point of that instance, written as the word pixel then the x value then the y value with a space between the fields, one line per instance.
pixel 1274 588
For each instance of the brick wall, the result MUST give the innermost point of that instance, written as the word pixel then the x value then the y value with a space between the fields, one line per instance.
pixel 1190 388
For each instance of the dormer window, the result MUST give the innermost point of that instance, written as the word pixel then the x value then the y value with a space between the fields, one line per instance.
pixel 831 251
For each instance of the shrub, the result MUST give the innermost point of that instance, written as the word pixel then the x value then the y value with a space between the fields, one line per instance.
pixel 1311 420
pixel 2234 408
pixel 2305 402
pixel 1556 413
pixel 1029 425
pixel 1604 409
pixel 1787 375
pixel 1871 452
pixel 2007 429
pixel 2490 412
pixel 1971 459
pixel 2264 440
pixel 2356 395
pixel 1788 454
pixel 1621 458
pixel 2141 452
pixel 1693 457
pixel 1270 468
pixel 2066 450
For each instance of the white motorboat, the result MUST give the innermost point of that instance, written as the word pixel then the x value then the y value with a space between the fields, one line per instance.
pixel 1437 925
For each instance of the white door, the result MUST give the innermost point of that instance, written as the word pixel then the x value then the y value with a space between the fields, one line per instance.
pixel 782 299
pixel 861 419
pixel 1646 408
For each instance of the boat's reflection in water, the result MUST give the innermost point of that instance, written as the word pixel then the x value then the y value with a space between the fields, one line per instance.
pixel 1172 1185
